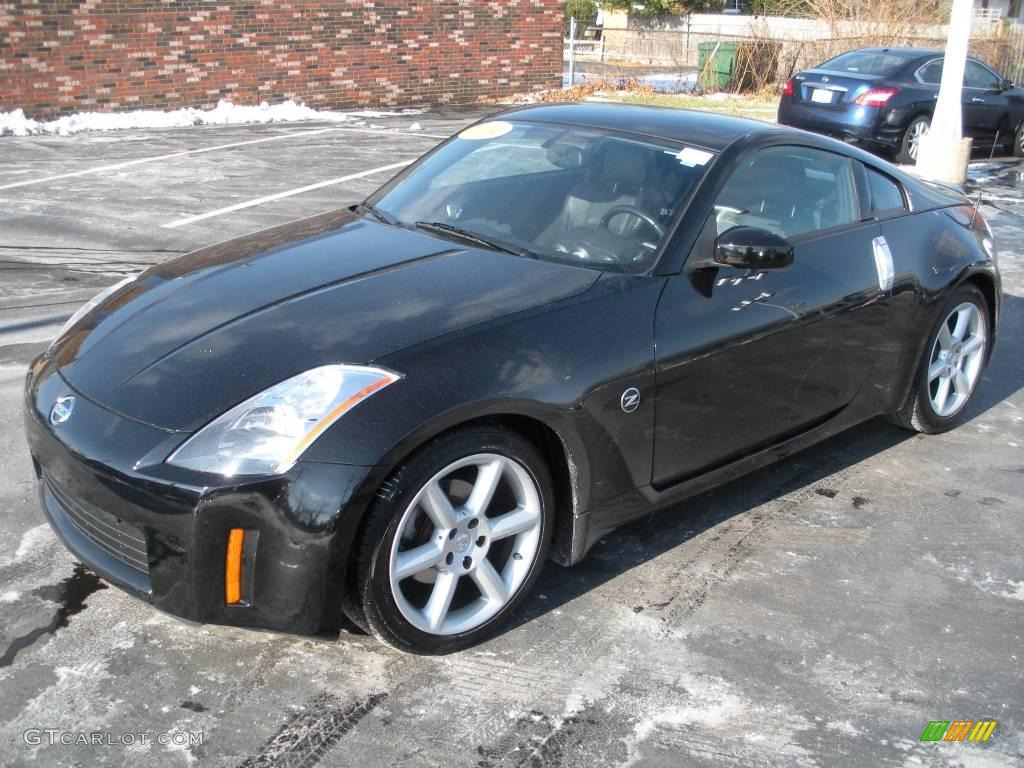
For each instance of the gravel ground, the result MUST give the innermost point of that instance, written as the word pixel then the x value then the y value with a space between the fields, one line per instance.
pixel 817 613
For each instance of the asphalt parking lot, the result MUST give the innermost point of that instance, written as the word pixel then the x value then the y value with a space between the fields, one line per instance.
pixel 817 613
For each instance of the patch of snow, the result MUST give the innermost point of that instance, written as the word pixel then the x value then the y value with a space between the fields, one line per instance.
pixel 32 541
pixel 225 113
pixel 844 727
pixel 178 743
pixel 9 597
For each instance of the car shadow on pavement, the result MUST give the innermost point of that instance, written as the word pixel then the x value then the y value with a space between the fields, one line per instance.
pixel 646 539
pixel 807 472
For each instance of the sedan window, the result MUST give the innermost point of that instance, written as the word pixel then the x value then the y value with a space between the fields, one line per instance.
pixel 978 76
pixel 789 191
pixel 931 73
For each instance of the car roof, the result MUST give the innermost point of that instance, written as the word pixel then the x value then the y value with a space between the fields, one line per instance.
pixel 715 132
pixel 906 53
pixel 708 130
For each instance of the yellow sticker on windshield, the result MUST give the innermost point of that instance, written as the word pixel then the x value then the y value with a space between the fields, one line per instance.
pixel 490 130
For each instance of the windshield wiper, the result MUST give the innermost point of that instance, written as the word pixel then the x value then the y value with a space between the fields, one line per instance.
pixel 376 212
pixel 441 228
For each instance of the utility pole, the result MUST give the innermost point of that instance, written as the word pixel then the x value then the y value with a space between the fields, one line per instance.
pixel 572 51
pixel 944 153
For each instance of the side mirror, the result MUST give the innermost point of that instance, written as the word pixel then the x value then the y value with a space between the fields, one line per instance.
pixel 752 248
pixel 1007 85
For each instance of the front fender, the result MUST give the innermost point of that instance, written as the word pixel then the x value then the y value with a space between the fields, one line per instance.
pixel 565 367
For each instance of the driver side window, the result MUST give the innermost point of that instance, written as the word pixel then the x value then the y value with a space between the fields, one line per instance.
pixel 977 76
pixel 789 191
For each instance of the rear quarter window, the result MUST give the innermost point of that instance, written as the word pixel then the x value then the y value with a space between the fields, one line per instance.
pixel 886 194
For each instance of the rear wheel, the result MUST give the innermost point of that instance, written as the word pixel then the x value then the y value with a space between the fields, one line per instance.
pixel 951 367
pixel 454 542
pixel 911 142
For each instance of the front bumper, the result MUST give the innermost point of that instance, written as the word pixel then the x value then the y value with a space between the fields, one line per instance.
pixel 160 532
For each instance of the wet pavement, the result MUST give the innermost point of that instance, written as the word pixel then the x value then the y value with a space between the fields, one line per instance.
pixel 819 612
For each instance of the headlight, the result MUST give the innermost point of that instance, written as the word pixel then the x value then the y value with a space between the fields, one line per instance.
pixel 268 432
pixel 82 310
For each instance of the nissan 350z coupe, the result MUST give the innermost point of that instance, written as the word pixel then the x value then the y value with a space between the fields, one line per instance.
pixel 557 321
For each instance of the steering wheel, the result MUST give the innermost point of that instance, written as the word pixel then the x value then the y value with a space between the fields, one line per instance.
pixel 636 213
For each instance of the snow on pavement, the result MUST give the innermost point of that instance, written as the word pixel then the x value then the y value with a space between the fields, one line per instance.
pixel 225 113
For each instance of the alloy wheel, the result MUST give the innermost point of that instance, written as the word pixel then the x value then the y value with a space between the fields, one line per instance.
pixel 465 544
pixel 917 130
pixel 957 358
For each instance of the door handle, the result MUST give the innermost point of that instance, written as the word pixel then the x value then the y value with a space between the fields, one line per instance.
pixel 976 100
pixel 883 263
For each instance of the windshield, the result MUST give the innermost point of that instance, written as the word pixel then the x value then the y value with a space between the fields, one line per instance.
pixel 576 195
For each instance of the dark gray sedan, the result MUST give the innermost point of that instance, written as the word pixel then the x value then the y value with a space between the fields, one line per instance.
pixel 884 98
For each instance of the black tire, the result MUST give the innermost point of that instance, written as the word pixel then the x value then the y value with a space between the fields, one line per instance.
pixel 370 602
pixel 903 153
pixel 917 413
pixel 1018 141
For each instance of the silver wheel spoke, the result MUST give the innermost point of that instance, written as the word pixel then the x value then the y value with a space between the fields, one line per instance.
pixel 414 561
pixel 941 396
pixel 435 503
pixel 514 522
pixel 936 370
pixel 487 479
pixel 972 345
pixel 960 384
pixel 945 340
pixel 963 319
pixel 490 582
pixel 440 599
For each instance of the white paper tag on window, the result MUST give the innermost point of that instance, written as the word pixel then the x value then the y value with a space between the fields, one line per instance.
pixel 691 157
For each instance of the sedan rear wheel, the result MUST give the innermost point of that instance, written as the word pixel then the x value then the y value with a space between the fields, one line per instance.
pixel 949 372
pixel 455 542
pixel 911 142
pixel 1018 141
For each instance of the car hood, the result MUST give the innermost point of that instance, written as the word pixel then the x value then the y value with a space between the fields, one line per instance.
pixel 194 336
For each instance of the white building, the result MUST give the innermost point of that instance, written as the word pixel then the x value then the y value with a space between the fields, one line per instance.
pixel 999 9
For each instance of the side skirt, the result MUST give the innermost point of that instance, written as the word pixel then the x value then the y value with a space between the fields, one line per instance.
pixel 591 525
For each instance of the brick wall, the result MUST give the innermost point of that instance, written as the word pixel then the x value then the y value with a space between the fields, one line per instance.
pixel 60 56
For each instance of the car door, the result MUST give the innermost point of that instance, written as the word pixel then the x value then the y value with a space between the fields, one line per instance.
pixel 984 101
pixel 748 357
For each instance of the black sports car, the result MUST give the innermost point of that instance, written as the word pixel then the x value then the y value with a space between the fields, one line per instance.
pixel 885 98
pixel 560 319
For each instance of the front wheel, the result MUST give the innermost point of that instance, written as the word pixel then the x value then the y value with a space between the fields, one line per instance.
pixel 910 144
pixel 1018 141
pixel 950 369
pixel 454 542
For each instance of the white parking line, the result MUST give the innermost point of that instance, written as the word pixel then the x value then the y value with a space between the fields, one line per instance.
pixel 279 195
pixel 155 158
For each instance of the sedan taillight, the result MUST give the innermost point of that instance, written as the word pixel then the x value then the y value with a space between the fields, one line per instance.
pixel 876 97
pixel 787 88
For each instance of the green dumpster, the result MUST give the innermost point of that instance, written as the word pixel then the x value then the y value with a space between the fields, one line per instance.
pixel 715 64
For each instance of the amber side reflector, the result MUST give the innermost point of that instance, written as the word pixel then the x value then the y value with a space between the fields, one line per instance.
pixel 233 567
